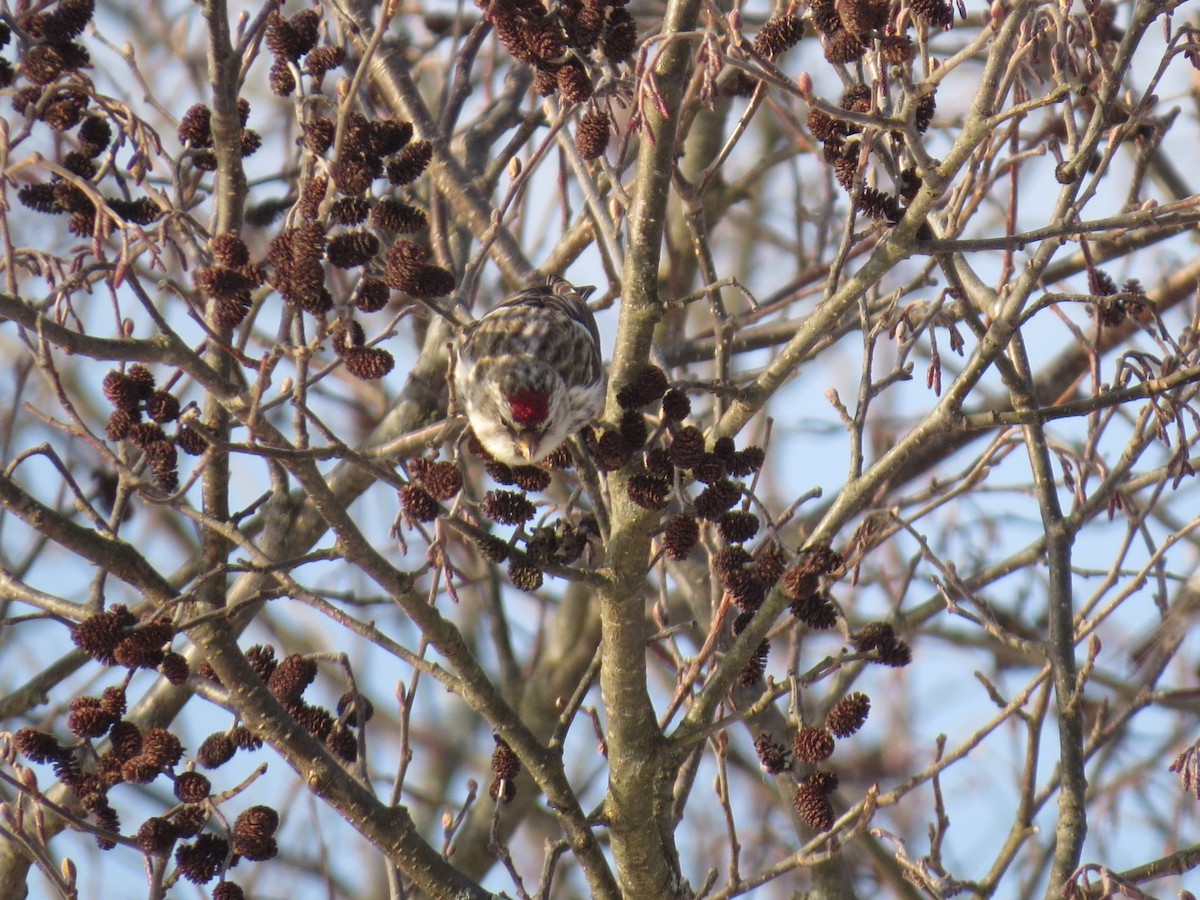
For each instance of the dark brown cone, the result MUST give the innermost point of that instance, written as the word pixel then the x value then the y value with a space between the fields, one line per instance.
pixel 716 499
pixel 897 655
pixel 321 59
pixel 688 447
pixel 195 126
pixel 545 82
pixel 752 672
pixel 773 756
pixel 262 660
pixel 822 558
pixel 648 387
pixel 318 136
pixel 418 504
pixel 730 561
pixel 388 136
pixel 872 636
pixel 926 107
pixel 592 133
pixel 611 452
pixel 493 548
pixel 880 205
pixel 675 405
pixel 896 49
pixel 658 464
pixel 778 35
pixel 501 473
pixel 256 823
pixel 316 720
pixel 162 407
pixel 125 739
pixel 156 836
pixel 119 423
pixel 573 82
pixel 745 589
pixel 848 714
pixel 245 739
pixel 634 431
pixel 620 36
pixel 843 47
pixel 559 458
pixel 746 462
pixel 161 747
pixel 524 576
pixel 342 741
pixel 541 546
pixel 815 611
pixel 88 718
pixel 935 14
pixel 505 768
pixel 814 808
pixel 397 216
pixel 431 281
pixel 351 249
pixel 113 701
pixel 38 746
pixel 192 787
pixel 443 480
pixel 108 768
pixel 372 295
pixel 190 441
pixel 822 781
pixel 530 478
pixel 862 17
pixel 769 564
pixel 680 536
pixel 121 391
pixel 191 820
pixel 647 491
pixel 354 174
pixel 349 211
pixel 95 134
pixel 800 582
pixel 369 363
pixel 99 635
pixel 346 335
pixel 289 679
pixel 824 126
pixel 508 507
pixel 216 750
pixel 229 250
pixel 200 862
pixel 139 770
pixel 736 527
pixel 411 162
pixel 813 745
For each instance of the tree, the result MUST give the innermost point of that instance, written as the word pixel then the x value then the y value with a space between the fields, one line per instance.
pixel 815 605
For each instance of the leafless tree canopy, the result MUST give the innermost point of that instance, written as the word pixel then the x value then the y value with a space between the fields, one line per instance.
pixel 874 578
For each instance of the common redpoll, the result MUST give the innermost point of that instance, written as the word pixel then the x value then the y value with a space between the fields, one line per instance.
pixel 529 373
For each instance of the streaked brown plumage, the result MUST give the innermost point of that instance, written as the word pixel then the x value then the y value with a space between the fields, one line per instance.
pixel 529 372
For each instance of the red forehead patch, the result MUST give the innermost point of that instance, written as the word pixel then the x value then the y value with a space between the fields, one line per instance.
pixel 529 408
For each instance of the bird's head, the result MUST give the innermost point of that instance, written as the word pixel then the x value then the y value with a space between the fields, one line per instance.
pixel 521 419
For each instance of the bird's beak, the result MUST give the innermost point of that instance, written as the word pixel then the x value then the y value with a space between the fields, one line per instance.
pixel 527 444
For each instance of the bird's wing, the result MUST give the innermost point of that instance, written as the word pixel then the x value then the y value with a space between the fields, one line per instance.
pixel 559 294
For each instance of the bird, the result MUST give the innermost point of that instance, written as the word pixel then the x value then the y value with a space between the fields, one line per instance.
pixel 529 374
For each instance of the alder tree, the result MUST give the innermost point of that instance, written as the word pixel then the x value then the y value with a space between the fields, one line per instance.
pixel 873 576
